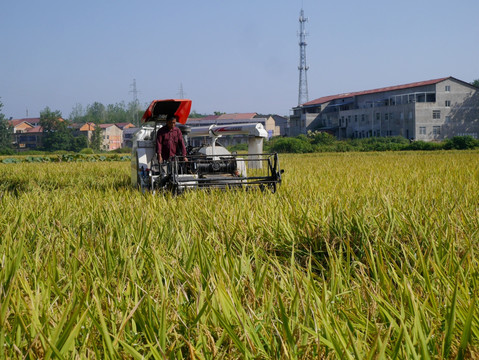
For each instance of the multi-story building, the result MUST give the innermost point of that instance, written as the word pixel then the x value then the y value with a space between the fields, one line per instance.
pixel 426 110
pixel 283 124
pixel 112 137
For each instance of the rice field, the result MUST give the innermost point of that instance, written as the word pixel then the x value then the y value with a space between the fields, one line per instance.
pixel 357 256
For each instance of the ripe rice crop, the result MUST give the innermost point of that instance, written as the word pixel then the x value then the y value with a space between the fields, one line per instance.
pixel 356 256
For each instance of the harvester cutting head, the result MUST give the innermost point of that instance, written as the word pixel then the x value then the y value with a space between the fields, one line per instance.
pixel 208 166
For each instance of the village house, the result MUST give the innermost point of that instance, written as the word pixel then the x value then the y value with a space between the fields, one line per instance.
pixel 112 137
pixel 27 134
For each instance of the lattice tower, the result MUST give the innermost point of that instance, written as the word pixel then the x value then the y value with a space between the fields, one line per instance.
pixel 303 68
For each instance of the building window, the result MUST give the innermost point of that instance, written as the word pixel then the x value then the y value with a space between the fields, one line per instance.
pixel 355 118
pixel 448 88
pixel 436 130
pixel 378 116
pixel 436 114
pixel 410 115
pixel 448 103
pixel 448 119
pixel 401 116
pixel 363 117
pixel 386 116
pixel 422 130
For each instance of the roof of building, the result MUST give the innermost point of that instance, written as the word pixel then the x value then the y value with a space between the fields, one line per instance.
pixel 78 126
pixel 203 122
pixel 208 118
pixel 35 129
pixel 16 122
pixel 28 120
pixel 237 116
pixel 280 120
pixel 104 126
pixel 130 130
pixel 124 125
pixel 329 98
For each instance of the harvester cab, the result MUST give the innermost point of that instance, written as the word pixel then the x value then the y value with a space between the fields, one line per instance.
pixel 209 165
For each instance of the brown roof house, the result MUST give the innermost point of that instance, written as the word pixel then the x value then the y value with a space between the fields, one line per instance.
pixel 125 125
pixel 85 129
pixel 30 139
pixel 20 125
pixel 22 141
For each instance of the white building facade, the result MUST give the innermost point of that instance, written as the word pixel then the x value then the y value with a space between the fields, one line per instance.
pixel 428 110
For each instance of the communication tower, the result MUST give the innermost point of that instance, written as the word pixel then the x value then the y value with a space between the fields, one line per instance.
pixel 303 68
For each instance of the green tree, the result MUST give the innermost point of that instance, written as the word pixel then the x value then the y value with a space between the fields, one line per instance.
pixel 78 114
pixel 195 115
pixel 78 143
pixel 116 113
pixel 95 142
pixel 6 133
pixel 476 83
pixel 321 138
pixel 95 113
pixel 134 112
pixel 56 135
pixel 461 143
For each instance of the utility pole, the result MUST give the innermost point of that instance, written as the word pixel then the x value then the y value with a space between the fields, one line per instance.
pixel 303 68
pixel 134 91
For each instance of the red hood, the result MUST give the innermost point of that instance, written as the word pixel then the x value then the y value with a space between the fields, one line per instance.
pixel 160 109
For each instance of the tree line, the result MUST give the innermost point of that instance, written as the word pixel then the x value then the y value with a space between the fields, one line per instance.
pixel 107 114
pixel 316 141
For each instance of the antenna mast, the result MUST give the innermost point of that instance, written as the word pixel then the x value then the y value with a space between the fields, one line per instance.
pixel 303 68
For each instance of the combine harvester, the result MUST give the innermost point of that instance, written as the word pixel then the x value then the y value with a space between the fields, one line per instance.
pixel 210 165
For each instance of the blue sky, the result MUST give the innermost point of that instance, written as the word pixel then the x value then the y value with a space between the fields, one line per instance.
pixel 229 56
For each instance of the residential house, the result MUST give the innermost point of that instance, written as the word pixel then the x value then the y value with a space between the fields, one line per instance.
pixel 30 139
pixel 85 129
pixel 20 125
pixel 125 125
pixel 283 123
pixel 112 137
pixel 21 140
pixel 128 134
